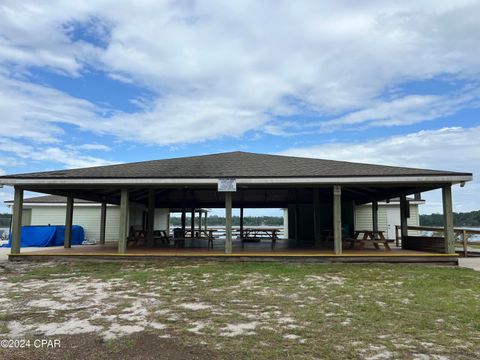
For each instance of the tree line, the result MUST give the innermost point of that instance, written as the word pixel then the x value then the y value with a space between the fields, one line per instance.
pixel 465 219
pixel 5 220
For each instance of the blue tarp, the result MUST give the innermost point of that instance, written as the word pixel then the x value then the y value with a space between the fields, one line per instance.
pixel 48 236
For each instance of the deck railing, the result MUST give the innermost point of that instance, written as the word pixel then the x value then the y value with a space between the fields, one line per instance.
pixel 461 235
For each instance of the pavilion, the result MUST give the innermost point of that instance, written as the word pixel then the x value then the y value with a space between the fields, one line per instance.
pixel 320 195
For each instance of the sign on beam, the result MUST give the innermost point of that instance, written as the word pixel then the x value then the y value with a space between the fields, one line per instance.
pixel 227 185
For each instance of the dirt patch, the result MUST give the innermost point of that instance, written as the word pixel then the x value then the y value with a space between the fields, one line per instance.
pixel 137 346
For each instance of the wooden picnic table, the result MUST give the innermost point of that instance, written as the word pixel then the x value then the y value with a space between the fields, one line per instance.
pixel 258 234
pixel 374 237
pixel 201 234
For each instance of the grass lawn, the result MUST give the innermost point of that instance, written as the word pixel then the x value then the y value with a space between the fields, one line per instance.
pixel 185 310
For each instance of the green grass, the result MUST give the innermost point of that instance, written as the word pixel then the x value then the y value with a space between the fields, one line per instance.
pixel 336 311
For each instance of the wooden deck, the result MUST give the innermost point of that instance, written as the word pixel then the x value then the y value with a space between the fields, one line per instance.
pixel 109 252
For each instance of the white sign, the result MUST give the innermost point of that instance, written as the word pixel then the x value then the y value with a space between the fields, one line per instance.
pixel 227 185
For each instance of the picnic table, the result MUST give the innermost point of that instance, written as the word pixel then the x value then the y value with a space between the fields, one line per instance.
pixel 162 236
pixel 202 234
pixel 374 237
pixel 258 234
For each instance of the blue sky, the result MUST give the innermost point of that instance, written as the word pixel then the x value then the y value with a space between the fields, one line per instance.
pixel 104 82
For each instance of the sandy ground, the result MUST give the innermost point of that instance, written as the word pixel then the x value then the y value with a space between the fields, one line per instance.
pixel 187 310
pixel 5 251
pixel 470 263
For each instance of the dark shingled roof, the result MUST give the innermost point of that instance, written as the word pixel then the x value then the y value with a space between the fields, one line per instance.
pixel 236 165
pixel 49 199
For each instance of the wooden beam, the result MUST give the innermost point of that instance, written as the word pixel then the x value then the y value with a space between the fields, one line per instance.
pixel 67 243
pixel 17 220
pixel 337 219
pixel 151 216
pixel 228 223
pixel 123 231
pixel 103 222
pixel 448 219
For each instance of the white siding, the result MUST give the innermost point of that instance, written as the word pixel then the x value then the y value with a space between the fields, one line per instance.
pixel 89 218
pixel 86 216
pixel 363 216
pixel 161 219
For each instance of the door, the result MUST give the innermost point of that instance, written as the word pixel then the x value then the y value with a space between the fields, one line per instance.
pixel 393 219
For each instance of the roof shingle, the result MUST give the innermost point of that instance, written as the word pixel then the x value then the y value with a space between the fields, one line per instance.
pixel 236 165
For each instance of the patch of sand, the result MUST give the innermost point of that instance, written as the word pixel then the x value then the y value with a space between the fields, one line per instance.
pixel 195 306
pixel 232 330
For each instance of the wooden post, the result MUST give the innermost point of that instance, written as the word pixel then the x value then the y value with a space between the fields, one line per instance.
pixel 397 238
pixel 192 222
pixel 168 222
pixel 200 222
pixel 375 216
pixel 448 219
pixel 184 213
pixel 316 218
pixel 297 222
pixel 465 243
pixel 151 216
pixel 17 220
pixel 337 219
pixel 184 220
pixel 103 222
pixel 67 243
pixel 228 223
pixel 123 231
pixel 241 223
pixel 403 218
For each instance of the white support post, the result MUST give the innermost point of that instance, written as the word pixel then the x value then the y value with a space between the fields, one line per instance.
pixel 103 222
pixel 17 221
pixel 448 219
pixel 151 216
pixel 228 223
pixel 337 219
pixel 67 244
pixel 123 231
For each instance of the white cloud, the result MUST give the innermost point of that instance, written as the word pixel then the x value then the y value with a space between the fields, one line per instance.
pixel 36 111
pixel 406 110
pixel 453 149
pixel 68 156
pixel 5 195
pixel 224 68
pixel 89 147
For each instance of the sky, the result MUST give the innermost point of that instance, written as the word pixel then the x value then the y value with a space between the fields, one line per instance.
pixel 91 83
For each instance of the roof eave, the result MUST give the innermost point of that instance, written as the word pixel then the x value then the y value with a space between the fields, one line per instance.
pixel 440 178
